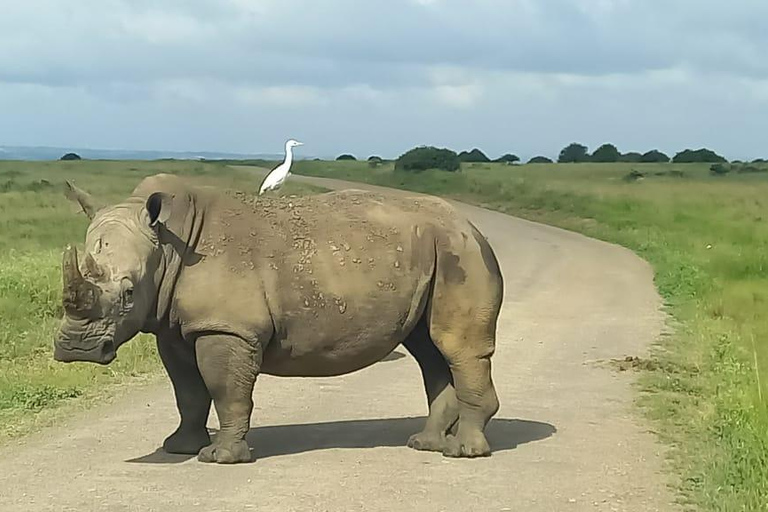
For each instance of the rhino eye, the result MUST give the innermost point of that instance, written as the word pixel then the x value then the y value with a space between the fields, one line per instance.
pixel 127 293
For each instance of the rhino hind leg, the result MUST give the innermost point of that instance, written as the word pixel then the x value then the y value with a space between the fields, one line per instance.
pixel 462 317
pixel 229 366
pixel 441 395
pixel 192 398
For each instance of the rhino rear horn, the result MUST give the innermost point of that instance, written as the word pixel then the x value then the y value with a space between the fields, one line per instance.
pixel 81 197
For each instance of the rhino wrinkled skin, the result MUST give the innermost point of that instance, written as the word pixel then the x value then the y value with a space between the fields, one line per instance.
pixel 324 285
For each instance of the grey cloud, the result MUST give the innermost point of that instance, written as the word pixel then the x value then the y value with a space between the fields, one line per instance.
pixel 385 43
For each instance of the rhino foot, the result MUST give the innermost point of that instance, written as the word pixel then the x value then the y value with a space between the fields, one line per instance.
pixel 186 442
pixel 226 453
pixel 427 442
pixel 467 445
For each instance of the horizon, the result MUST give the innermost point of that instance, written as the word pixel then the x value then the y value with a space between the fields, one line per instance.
pixel 275 156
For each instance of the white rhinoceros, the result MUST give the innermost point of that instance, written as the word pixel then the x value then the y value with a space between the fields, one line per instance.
pixel 312 286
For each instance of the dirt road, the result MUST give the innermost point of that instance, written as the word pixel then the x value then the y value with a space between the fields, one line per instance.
pixel 566 437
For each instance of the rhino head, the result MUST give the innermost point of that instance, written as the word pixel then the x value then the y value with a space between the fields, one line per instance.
pixel 109 291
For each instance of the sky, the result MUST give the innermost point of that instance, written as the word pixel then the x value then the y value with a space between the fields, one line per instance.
pixel 381 76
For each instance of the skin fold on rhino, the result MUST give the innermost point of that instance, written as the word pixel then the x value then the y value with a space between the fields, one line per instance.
pixel 233 286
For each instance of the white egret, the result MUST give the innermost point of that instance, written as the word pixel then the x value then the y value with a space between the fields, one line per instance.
pixel 277 176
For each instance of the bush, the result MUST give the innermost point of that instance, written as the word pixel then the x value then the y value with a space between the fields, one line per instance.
pixel 654 156
pixel 574 153
pixel 508 158
pixel 634 175
pixel 606 153
pixel 540 160
pixel 374 161
pixel 474 156
pixel 71 156
pixel 428 157
pixel 719 169
pixel 631 157
pixel 689 156
pixel 346 157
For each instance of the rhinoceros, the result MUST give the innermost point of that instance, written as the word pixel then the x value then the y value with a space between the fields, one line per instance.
pixel 322 285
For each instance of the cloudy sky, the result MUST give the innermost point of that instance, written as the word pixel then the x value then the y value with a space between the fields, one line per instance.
pixel 381 76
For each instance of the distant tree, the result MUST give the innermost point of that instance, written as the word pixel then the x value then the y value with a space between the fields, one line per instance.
pixel 654 156
pixel 346 157
pixel 606 153
pixel 759 161
pixel 631 157
pixel 428 157
pixel 509 158
pixel 374 157
pixel 71 156
pixel 474 156
pixel 540 160
pixel 699 155
pixel 374 161
pixel 573 153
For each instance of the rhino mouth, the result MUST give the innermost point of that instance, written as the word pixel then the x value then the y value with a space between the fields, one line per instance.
pixel 88 342
pixel 102 354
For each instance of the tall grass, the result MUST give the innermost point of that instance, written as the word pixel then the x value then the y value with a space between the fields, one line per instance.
pixel 36 222
pixel 707 239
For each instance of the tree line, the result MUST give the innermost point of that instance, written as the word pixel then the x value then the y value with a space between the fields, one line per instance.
pixel 429 157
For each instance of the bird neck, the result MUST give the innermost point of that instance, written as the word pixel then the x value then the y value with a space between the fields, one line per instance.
pixel 288 155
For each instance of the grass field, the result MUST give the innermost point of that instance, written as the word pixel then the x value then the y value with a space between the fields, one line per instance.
pixel 36 223
pixel 707 239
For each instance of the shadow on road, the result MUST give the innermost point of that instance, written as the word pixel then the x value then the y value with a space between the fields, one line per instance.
pixel 277 440
pixel 393 356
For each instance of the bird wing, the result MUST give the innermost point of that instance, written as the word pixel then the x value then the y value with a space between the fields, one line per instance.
pixel 275 177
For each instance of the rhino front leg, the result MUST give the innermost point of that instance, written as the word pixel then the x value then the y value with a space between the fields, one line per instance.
pixel 229 366
pixel 192 397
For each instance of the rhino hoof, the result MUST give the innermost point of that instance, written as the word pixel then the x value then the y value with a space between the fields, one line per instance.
pixel 226 453
pixel 467 446
pixel 186 442
pixel 427 442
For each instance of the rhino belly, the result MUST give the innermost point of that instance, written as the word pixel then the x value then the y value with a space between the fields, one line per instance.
pixel 342 339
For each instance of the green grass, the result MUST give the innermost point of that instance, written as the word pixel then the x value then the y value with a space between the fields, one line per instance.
pixel 36 223
pixel 707 240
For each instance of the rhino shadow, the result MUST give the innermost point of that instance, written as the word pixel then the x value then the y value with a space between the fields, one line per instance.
pixel 393 356
pixel 277 440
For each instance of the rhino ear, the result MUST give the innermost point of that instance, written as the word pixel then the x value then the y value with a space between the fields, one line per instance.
pixel 81 197
pixel 159 206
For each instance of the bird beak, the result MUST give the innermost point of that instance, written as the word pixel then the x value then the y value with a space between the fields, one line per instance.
pixel 299 143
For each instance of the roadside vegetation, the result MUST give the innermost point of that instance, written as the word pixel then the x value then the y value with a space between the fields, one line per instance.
pixel 704 228
pixel 36 223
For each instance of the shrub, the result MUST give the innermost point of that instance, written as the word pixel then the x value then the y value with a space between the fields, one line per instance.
pixel 474 156
pixel 71 156
pixel 428 157
pixel 631 157
pixel 719 169
pixel 634 175
pixel 654 156
pixel 605 154
pixel 573 153
pixel 700 155
pixel 508 158
pixel 346 157
pixel 374 161
pixel 540 160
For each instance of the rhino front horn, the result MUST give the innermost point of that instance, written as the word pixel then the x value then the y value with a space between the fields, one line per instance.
pixel 79 295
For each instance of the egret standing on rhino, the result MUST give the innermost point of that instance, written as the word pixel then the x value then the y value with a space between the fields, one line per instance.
pixel 276 177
